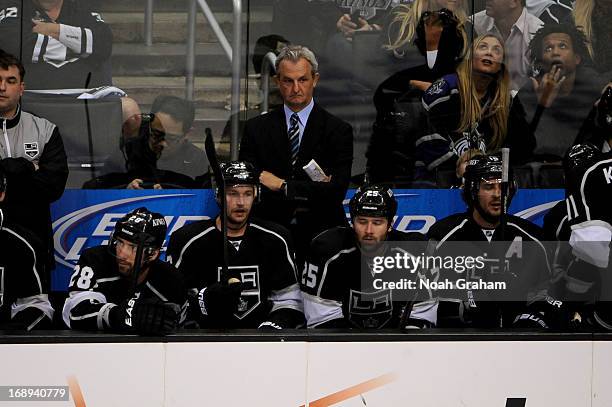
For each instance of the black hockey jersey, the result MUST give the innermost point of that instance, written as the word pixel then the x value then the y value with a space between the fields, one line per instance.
pixel 262 259
pixel 590 218
pixel 337 293
pixel 525 271
pixel 96 286
pixel 80 58
pixel 23 303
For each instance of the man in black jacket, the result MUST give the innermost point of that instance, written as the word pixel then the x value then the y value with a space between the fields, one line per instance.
pixel 281 143
pixel 32 156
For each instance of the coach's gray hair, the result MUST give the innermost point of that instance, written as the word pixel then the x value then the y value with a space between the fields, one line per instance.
pixel 293 53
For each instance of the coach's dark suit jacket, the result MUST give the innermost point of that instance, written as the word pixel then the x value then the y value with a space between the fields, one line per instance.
pixel 326 139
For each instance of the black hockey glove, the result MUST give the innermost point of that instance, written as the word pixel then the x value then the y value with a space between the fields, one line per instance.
pixel 220 300
pixel 530 320
pixel 148 316
pixel 17 166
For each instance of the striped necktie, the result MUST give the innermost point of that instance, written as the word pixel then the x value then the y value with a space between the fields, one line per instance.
pixel 294 137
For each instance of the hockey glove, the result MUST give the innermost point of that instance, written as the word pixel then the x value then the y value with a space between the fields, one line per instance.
pixel 530 320
pixel 148 316
pixel 17 166
pixel 220 300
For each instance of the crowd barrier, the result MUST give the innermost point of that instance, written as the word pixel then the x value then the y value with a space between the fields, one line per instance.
pixel 300 368
pixel 85 218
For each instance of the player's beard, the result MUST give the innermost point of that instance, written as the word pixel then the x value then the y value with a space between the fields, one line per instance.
pixel 235 224
pixel 487 216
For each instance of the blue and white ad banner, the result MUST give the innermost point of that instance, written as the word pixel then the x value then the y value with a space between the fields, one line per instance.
pixel 86 218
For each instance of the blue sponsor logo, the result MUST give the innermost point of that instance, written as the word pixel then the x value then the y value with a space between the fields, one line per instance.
pixel 86 218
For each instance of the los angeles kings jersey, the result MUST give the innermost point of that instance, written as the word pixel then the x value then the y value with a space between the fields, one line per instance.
pixel 262 259
pixel 97 285
pixel 524 269
pixel 337 293
pixel 590 219
pixel 22 264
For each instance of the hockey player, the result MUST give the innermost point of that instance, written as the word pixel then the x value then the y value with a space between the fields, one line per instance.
pixel 578 158
pixel 23 303
pixel 260 290
pixel 123 286
pixel 337 294
pixel 523 266
pixel 590 219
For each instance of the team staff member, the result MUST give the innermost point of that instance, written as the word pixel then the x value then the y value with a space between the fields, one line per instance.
pixel 335 294
pixel 24 304
pixel 32 156
pixel 260 290
pixel 282 142
pixel 482 223
pixel 104 292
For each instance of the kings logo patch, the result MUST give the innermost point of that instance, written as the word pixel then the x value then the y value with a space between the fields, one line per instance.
pixel 31 149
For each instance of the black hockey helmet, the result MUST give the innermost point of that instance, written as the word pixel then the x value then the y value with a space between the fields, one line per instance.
pixel 577 160
pixel 141 226
pixel 375 201
pixel 579 156
pixel 484 168
pixel 239 173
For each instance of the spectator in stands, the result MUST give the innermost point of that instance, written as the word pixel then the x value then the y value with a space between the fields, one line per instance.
pixel 163 152
pixel 473 108
pixel 594 17
pixel 551 11
pixel 283 142
pixel 123 286
pixel 157 150
pixel 561 95
pixel 352 18
pixel 400 117
pixel 64 43
pixel 32 156
pixel 24 303
pixel 402 29
pixel 509 20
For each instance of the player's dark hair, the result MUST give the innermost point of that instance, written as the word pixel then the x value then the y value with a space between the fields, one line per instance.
pixel 7 60
pixel 181 110
pixel 579 41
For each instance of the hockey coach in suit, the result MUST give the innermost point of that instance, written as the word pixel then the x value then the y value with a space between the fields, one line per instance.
pixel 282 142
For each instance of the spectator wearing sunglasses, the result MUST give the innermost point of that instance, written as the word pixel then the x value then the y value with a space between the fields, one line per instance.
pixel 163 153
pixel 158 151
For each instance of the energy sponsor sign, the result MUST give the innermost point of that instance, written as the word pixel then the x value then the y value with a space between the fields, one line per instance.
pixel 85 218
